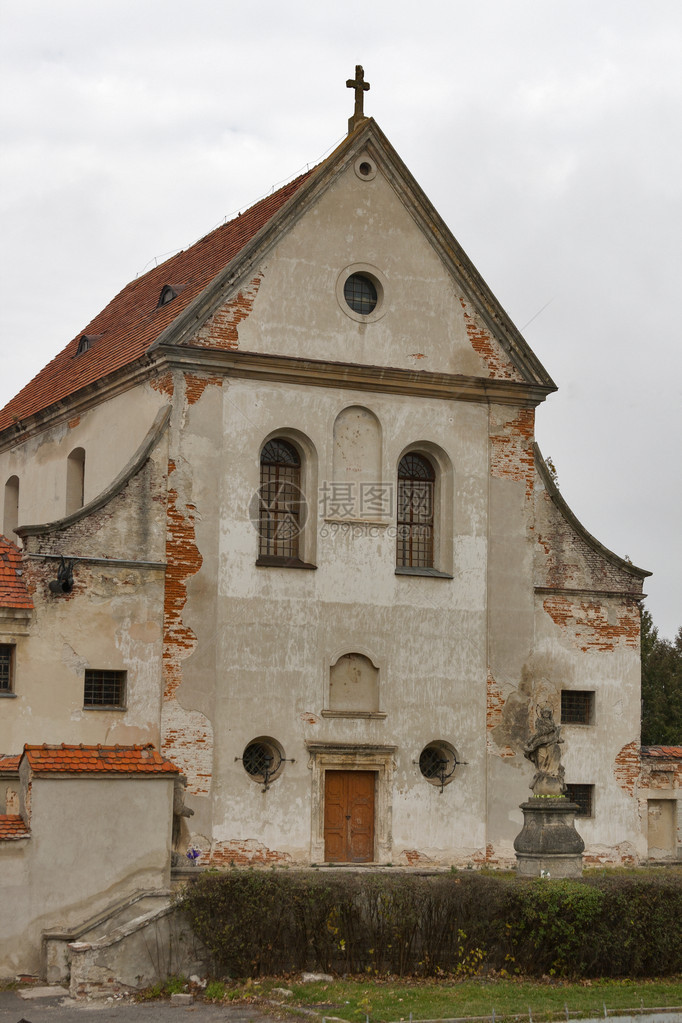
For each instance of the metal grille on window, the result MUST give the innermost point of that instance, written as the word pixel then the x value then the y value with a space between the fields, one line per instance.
pixel 280 500
pixel 259 759
pixel 582 795
pixel 416 479
pixel 576 707
pixel 5 667
pixel 360 294
pixel 104 688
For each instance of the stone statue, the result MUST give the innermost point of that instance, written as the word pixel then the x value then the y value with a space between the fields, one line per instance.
pixel 542 749
pixel 180 837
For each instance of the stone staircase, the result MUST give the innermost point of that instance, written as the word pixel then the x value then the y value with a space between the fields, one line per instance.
pixel 135 943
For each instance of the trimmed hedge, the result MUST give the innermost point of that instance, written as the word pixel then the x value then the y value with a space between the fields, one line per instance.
pixel 257 922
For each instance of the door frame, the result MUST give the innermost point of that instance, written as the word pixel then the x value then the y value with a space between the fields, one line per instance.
pixel 346 757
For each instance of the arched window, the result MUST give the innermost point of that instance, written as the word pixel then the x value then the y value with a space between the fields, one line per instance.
pixel 75 480
pixel 281 503
pixel 416 479
pixel 10 514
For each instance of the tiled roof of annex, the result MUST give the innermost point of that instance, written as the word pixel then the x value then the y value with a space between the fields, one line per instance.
pixel 12 826
pixel 133 320
pixel 142 760
pixel 663 752
pixel 13 590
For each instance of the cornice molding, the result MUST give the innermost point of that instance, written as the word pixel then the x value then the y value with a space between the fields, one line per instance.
pixel 352 376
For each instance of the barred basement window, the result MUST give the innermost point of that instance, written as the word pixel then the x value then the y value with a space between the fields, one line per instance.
pixel 6 667
pixel 104 689
pixel 583 795
pixel 577 707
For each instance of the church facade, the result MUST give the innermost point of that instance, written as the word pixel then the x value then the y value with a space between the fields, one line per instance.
pixel 279 511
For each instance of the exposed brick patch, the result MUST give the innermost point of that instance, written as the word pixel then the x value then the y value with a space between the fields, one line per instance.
pixel 196 385
pixel 619 856
pixel 188 740
pixel 490 350
pixel 245 852
pixel 586 622
pixel 511 454
pixel 414 858
pixel 627 766
pixel 163 384
pixel 564 558
pixel 494 708
pixel 184 561
pixel 222 329
pixel 187 735
pixel 74 422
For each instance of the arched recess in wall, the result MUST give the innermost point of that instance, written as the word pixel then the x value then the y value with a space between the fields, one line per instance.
pixel 265 508
pixel 354 685
pixel 440 492
pixel 10 515
pixel 75 480
pixel 356 466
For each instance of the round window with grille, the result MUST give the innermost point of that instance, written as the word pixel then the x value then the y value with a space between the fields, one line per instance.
pixel 437 762
pixel 360 293
pixel 263 759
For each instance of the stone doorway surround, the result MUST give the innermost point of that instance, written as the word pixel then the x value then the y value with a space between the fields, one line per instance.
pixel 332 756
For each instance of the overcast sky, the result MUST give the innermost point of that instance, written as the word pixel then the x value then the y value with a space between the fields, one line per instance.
pixel 546 133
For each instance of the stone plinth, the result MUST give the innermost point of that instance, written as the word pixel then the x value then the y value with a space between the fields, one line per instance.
pixel 548 840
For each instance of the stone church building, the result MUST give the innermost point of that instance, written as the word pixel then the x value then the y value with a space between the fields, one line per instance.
pixel 279 512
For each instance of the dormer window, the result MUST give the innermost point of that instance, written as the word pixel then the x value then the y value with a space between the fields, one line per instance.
pixel 86 342
pixel 167 295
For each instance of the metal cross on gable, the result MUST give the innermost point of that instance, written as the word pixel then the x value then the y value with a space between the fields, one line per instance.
pixel 361 86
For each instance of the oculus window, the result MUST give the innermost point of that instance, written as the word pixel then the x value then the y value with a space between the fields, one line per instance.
pixel 360 293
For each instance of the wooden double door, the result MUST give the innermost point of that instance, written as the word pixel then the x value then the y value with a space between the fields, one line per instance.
pixel 349 816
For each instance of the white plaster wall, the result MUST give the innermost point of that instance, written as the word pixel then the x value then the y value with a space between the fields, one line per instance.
pixel 110 434
pixel 80 859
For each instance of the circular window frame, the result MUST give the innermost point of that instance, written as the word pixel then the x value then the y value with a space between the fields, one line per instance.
pixel 363 162
pixel 446 751
pixel 276 749
pixel 377 278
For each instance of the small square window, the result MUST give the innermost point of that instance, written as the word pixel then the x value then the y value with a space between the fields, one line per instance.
pixel 583 795
pixel 104 689
pixel 6 667
pixel 577 707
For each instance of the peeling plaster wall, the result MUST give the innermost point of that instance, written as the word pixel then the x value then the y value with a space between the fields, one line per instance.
pixel 250 648
pixel 112 619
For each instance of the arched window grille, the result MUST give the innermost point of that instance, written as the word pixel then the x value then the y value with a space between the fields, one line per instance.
pixel 280 500
pixel 416 478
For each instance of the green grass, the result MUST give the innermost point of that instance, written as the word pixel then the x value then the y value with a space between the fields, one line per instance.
pixel 392 1000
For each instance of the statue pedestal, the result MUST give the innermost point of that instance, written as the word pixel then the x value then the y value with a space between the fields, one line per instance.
pixel 548 840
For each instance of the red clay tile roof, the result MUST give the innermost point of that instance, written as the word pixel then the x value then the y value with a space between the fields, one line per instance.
pixel 10 763
pixel 98 759
pixel 131 322
pixel 12 826
pixel 663 752
pixel 13 591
